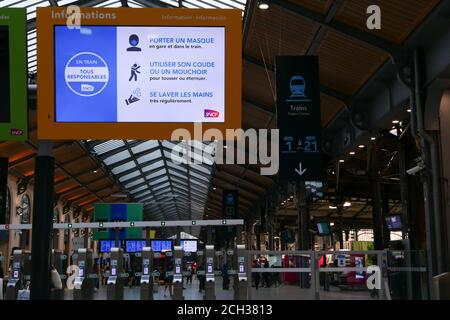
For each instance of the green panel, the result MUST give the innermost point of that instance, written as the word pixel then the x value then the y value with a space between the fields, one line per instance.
pixel 135 212
pixel 101 213
pixel 17 127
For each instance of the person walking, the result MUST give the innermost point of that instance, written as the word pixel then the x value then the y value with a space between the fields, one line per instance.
pixel 256 275
pixel 225 277
pixel 168 282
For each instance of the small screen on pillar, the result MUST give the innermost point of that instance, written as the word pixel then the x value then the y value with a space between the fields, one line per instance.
pixel 241 268
pixel 81 272
pixel 146 270
pixel 210 269
pixel 177 269
pixel 113 272
pixel 16 274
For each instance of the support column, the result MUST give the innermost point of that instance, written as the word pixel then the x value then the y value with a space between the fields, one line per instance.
pixel 271 235
pixel 376 200
pixel 303 217
pixel 238 235
pixel 147 236
pixel 44 189
pixel 209 235
pixel 178 235
pixel 303 226
pixel 86 238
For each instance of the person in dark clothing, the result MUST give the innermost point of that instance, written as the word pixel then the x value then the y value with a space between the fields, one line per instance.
pixel 225 277
pixel 256 275
pixel 201 278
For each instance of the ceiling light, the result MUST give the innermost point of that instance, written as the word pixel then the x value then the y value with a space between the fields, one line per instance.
pixel 332 207
pixel 214 188
pixel 263 5
pixel 352 153
pixel 341 161
pixel 95 171
pixel 331 224
pixel 395 121
pixel 373 138
pixel 408 110
pixel 361 146
pixel 225 147
pixel 347 204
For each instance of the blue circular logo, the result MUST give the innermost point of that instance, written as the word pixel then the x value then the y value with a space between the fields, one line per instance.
pixel 86 74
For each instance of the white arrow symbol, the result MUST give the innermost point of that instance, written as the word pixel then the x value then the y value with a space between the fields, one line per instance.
pixel 300 171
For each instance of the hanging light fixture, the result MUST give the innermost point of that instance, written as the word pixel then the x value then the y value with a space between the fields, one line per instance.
pixel 263 5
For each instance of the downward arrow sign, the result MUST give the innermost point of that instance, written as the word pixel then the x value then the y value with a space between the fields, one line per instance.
pixel 300 171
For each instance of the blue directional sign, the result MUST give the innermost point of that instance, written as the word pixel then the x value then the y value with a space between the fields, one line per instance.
pixel 299 121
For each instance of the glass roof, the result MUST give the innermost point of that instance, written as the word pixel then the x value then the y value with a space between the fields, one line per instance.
pixel 169 188
pixel 31 6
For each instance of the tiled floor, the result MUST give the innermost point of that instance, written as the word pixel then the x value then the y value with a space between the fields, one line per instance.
pixel 284 292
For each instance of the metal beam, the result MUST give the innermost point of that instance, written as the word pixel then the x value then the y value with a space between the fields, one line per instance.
pixel 315 43
pixel 390 48
pixel 246 22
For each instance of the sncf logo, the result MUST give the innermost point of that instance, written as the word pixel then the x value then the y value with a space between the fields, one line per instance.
pixel 211 113
pixel 16 132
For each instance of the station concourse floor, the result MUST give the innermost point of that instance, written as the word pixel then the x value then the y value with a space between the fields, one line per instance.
pixel 284 292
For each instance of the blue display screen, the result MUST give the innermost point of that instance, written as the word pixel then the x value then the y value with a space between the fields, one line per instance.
pixel 161 245
pixel 134 245
pixel 106 245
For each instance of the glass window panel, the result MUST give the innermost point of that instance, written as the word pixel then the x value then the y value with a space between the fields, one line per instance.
pixel 139 189
pixel 117 157
pixel 159 180
pixel 129 176
pixel 108 146
pixel 193 174
pixel 155 173
pixel 134 183
pixel 124 167
pixel 145 146
pixel 149 157
pixel 154 166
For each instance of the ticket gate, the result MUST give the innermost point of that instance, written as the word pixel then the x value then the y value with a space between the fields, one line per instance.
pixel 241 278
pixel 147 274
pixel 20 273
pixel 57 260
pixel 209 274
pixel 84 284
pixel 115 283
pixel 178 273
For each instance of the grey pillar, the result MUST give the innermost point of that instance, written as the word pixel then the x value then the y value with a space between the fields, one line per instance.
pixel 178 235
pixel 147 236
pixel 208 234
pixel 86 237
pixel 303 217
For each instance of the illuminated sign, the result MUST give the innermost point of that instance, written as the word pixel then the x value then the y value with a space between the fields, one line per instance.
pixel 140 75
pixel 13 75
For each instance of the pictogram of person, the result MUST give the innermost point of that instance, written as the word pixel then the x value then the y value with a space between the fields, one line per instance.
pixel 134 71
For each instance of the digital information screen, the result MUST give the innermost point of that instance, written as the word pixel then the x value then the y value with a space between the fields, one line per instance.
pixel 140 74
pixel 241 268
pixel 394 222
pixel 123 77
pixel 81 272
pixel 13 75
pixel 5 114
pixel 189 245
pixel 113 272
pixel 134 245
pixel 161 245
pixel 210 268
pixel 106 245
